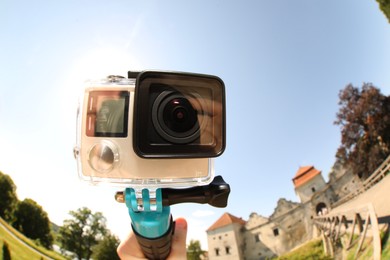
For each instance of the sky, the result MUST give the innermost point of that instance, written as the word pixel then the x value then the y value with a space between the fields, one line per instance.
pixel 283 64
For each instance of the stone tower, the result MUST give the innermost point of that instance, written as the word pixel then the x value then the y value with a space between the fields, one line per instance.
pixel 307 181
pixel 312 189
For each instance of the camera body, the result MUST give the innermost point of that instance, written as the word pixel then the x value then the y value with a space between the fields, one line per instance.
pixel 153 129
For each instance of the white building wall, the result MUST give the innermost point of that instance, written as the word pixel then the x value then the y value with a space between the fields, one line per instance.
pixel 306 191
pixel 225 243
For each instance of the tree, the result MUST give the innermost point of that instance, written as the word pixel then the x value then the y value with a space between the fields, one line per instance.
pixel 8 198
pixel 384 5
pixel 194 250
pixel 106 249
pixel 82 232
pixel 364 119
pixel 31 220
pixel 6 252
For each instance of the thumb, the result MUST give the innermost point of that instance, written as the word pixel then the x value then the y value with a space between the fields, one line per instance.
pixel 178 248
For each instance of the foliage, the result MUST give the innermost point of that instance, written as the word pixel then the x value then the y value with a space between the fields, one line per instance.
pixel 364 118
pixel 82 232
pixel 311 250
pixel 384 5
pixel 31 220
pixel 194 250
pixel 21 247
pixel 6 252
pixel 106 249
pixel 8 198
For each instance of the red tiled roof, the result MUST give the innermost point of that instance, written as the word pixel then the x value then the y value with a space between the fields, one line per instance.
pixel 224 220
pixel 304 174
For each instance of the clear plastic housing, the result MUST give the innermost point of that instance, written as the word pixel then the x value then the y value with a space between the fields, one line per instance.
pixel 104 144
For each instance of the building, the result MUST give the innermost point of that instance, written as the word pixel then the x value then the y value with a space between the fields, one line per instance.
pixel 307 181
pixel 225 239
pixel 289 226
pixel 311 188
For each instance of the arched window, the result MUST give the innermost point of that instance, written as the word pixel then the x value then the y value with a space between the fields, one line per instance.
pixel 321 208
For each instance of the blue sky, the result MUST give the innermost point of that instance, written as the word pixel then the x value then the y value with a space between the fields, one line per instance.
pixel 283 64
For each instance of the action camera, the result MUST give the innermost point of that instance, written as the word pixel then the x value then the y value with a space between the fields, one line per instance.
pixel 153 129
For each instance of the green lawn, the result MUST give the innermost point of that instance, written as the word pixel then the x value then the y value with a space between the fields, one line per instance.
pixel 19 250
pixel 367 248
pixel 311 250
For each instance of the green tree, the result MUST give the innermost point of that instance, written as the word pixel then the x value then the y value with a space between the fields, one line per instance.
pixel 194 250
pixel 364 119
pixel 82 232
pixel 384 5
pixel 6 252
pixel 33 222
pixel 106 249
pixel 8 198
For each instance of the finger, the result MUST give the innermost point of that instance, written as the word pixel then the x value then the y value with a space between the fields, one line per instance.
pixel 178 250
pixel 129 249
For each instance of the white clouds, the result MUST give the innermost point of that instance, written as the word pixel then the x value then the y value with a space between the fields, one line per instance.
pixel 197 231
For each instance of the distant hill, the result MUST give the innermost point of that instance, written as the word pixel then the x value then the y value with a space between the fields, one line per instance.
pixel 54 227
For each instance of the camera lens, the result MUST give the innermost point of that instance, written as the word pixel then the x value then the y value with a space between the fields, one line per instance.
pixel 179 115
pixel 174 118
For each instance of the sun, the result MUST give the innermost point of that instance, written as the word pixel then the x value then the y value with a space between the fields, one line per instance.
pixel 96 64
pixel 101 62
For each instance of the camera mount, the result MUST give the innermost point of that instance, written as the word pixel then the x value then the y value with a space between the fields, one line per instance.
pixel 151 217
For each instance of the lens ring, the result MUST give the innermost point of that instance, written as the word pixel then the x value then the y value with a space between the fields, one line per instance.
pixel 158 110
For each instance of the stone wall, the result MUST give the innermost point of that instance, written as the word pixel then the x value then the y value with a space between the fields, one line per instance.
pixel 226 242
pixel 343 181
pixel 287 228
pixel 307 190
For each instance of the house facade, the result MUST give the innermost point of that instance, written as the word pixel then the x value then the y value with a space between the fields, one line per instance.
pixel 225 238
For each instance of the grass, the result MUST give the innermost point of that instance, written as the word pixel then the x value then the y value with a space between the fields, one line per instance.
pixel 367 248
pixel 386 251
pixel 385 243
pixel 19 250
pixel 311 250
pixel 314 249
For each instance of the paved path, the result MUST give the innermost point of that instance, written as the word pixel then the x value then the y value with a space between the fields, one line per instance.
pixel 378 195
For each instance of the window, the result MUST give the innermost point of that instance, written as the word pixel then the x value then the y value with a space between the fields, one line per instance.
pixel 227 250
pixel 216 251
pixel 257 237
pixel 313 189
pixel 276 232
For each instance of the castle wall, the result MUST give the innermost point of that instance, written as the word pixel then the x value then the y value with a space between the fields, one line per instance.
pixel 343 182
pixel 289 226
pixel 281 233
pixel 226 242
pixel 254 236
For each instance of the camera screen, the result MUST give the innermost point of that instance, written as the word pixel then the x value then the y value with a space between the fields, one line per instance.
pixel 107 114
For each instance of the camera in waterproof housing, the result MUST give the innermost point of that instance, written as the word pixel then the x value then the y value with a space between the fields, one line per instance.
pixel 153 129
